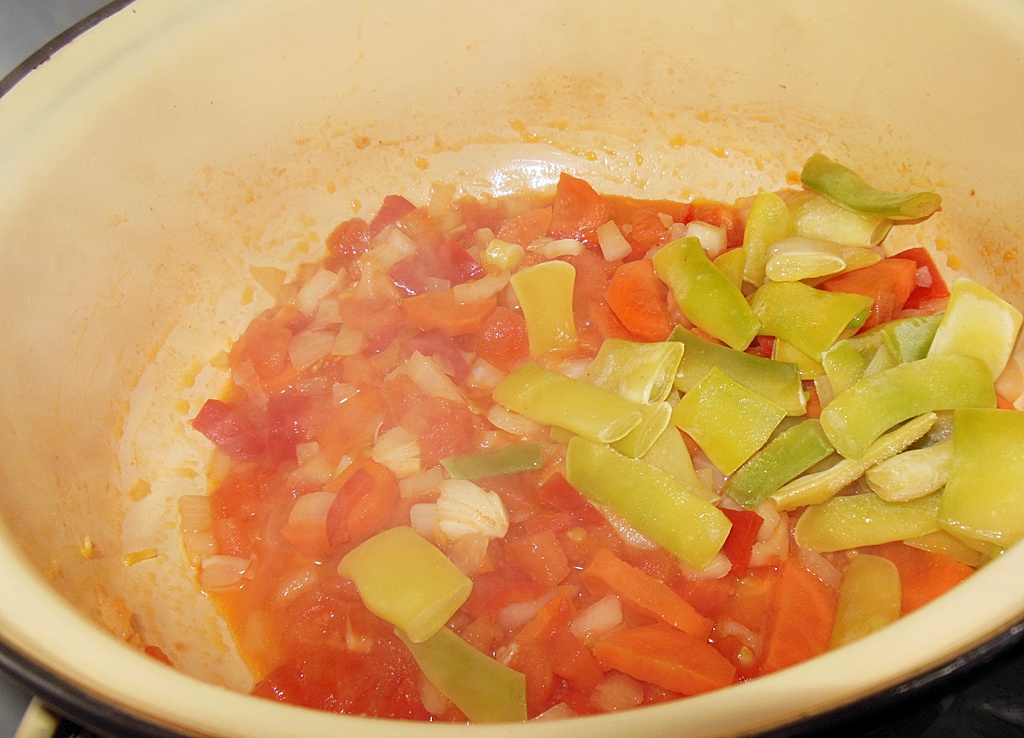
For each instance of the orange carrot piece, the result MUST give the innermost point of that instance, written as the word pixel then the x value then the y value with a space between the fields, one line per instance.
pixel 607 572
pixel 800 620
pixel 666 657
pixel 637 297
pixel 441 311
pixel 924 575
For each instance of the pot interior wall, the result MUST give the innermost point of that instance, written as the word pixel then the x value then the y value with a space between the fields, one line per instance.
pixel 157 159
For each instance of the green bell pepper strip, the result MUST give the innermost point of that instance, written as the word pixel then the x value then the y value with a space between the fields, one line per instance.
pixel 870 597
pixel 655 419
pixel 852 521
pixel 908 339
pixel 799 257
pixel 786 353
pixel 406 580
pixel 549 398
pixel 847 188
pixel 860 414
pixel 810 319
pixel 785 457
pixel 817 216
pixel 771 379
pixel 669 453
pixel 639 372
pixel 650 500
pixel 977 322
pixel 984 496
pixel 495 462
pixel 485 690
pixel 769 222
pixel 545 293
pixel 816 488
pixel 728 421
pixel 844 365
pixel 704 294
pixel 911 474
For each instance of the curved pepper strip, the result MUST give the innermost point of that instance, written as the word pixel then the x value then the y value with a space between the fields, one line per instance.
pixel 650 500
pixel 876 403
pixel 705 294
pixel 847 188
pixel 639 372
pixel 769 222
pixel 852 521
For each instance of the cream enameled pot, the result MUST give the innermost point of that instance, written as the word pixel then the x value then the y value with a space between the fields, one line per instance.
pixel 154 160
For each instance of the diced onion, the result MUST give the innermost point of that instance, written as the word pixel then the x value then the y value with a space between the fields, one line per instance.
pixel 481 289
pixel 483 375
pixel 718 568
pixel 820 567
pixel 315 289
pixel 464 508
pixel 311 508
pixel 511 422
pixel 426 374
pixel 598 620
pixel 348 342
pixel 561 711
pixel 423 520
pixel 614 245
pixel 469 552
pixel 923 277
pixel 1010 383
pixel 775 549
pixel 308 347
pixel 389 248
pixel 559 247
pixel 518 614
pixel 314 471
pixel 423 483
pixel 375 283
pixel 431 698
pixel 221 572
pixel 502 255
pixel 399 451
pixel 618 692
pixel 713 239
pixel 197 527
pixel 300 581
pixel 341 391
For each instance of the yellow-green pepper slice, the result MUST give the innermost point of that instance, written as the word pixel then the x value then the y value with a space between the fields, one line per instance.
pixel 847 188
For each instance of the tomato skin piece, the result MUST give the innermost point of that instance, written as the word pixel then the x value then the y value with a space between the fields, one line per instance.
pixel 742 536
pixel 363 504
pixel 392 209
pixel 577 208
pixel 923 296
pixel 230 430
pixel 349 240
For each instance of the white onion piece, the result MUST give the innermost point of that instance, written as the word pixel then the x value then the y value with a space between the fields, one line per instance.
pixel 775 549
pixel 467 509
pixel 431 698
pixel 598 620
pixel 197 527
pixel 423 483
pixel 348 342
pixel 427 374
pixel 300 581
pixel 468 553
pixel 559 247
pixel 820 567
pixel 481 289
pixel 423 520
pixel 713 239
pixel 398 449
pixel 308 347
pixel 315 289
pixel 311 509
pixel 511 422
pixel 222 572
pixel 389 248
pixel 315 471
pixel 618 692
pixel 614 245
pixel 517 614
pixel 771 517
pixel 483 375
pixel 718 568
pixel 561 711
pixel 1010 383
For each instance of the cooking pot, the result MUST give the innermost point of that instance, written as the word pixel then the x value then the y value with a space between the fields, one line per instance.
pixel 153 162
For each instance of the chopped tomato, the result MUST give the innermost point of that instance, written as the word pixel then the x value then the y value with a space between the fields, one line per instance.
pixel 577 208
pixel 363 504
pixel 889 283
pixel 391 210
pixel 924 575
pixel 442 349
pixel 559 494
pixel 647 231
pixel 442 311
pixel 742 536
pixel 526 227
pixel 502 339
pixel 929 286
pixel 233 432
pixel 265 345
pixel 637 297
pixel 445 428
pixel 349 240
pixel 541 556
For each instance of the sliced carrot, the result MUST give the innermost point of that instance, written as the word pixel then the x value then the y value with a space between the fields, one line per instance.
pixel 889 283
pixel 800 619
pixel 577 208
pixel 607 572
pixel 924 575
pixel 574 662
pixel 637 297
pixel 441 311
pixel 666 657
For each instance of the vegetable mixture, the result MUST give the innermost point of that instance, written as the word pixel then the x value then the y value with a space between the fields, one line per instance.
pixel 565 453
